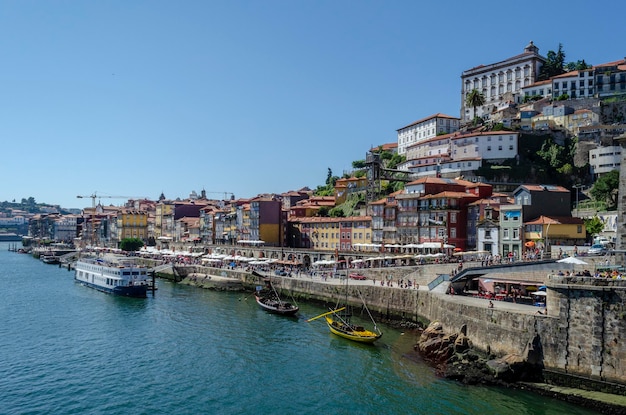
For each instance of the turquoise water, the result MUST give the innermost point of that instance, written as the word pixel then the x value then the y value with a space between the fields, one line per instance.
pixel 68 349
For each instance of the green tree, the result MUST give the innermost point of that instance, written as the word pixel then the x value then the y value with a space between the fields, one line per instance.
pixel 605 188
pixel 323 211
pixel 552 153
pixel 324 191
pixel 577 66
pixel 395 159
pixel 358 164
pixel 386 155
pixel 475 99
pixel 593 226
pixel 337 212
pixel 131 244
pixel 554 64
pixel 566 169
pixel 329 188
pixel 329 178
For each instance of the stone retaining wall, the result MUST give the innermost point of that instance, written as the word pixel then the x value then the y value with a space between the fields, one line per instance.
pixel 581 336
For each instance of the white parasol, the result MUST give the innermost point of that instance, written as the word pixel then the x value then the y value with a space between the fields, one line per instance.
pixel 572 260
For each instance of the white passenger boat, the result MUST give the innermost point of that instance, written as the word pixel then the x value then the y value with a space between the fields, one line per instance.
pixel 114 275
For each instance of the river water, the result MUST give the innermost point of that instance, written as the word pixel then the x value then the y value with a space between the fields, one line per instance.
pixel 68 349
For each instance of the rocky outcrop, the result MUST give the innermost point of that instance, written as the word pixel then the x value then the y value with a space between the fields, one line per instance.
pixel 455 358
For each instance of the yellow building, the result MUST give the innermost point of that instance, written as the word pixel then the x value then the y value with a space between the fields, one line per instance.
pixel 132 223
pixel 163 219
pixel 331 234
pixel 554 230
pixel 344 187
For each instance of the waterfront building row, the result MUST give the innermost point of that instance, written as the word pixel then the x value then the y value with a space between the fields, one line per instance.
pixel 429 211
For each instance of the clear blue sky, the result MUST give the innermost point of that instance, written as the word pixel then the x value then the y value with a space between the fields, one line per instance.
pixel 135 98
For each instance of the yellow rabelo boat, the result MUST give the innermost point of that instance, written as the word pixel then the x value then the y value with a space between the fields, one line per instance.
pixel 341 326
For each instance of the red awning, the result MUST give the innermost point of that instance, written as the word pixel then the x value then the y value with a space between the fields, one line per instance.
pixel 488 284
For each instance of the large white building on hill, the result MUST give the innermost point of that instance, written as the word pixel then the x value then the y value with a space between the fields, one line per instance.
pixel 460 153
pixel 500 82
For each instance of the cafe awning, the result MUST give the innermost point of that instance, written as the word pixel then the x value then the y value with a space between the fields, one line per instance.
pixel 488 284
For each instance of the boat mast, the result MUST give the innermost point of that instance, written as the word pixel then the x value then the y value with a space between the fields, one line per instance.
pixel 275 292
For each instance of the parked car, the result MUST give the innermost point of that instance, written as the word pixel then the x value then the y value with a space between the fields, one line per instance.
pixel 357 276
pixel 597 249
pixel 601 240
pixel 281 272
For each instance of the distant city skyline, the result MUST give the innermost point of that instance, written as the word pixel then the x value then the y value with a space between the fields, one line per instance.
pixel 143 98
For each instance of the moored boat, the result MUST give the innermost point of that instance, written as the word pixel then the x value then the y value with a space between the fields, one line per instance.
pixel 269 300
pixel 50 259
pixel 274 304
pixel 342 327
pixel 113 275
pixel 9 237
pixel 339 323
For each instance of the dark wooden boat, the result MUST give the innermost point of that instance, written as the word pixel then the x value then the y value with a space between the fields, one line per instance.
pixel 268 299
pixel 274 304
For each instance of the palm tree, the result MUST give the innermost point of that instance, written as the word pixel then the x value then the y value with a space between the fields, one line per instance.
pixel 475 99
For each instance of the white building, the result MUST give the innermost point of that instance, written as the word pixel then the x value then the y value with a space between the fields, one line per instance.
pixel 444 167
pixel 490 146
pixel 611 78
pixel 538 89
pixel 439 146
pixel 424 129
pixel 13 221
pixel 511 230
pixel 500 82
pixel 455 154
pixel 576 84
pixel 65 228
pixel 604 159
pixel 488 237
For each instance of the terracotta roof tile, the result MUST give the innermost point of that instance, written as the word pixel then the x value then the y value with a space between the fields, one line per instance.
pixel 555 220
pixel 438 115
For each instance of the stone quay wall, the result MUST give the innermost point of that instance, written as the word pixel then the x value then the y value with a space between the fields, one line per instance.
pixel 580 337
pixel 587 335
pixel 500 331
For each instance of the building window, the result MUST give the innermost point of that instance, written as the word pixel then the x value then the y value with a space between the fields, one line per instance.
pixel 505 234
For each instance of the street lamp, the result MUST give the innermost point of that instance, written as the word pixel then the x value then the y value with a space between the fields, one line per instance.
pixel 547 229
pixel 577 186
